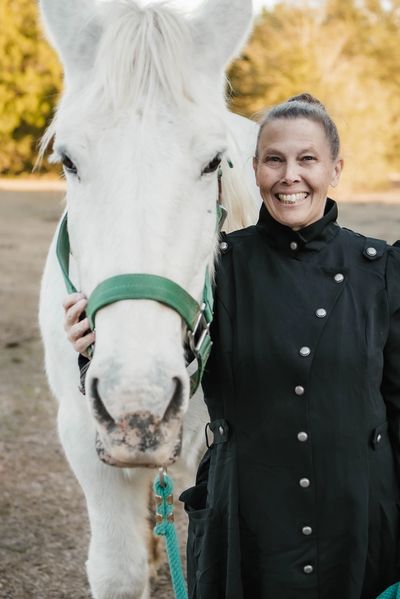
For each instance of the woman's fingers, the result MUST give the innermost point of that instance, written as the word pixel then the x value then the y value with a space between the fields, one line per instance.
pixel 72 299
pixel 78 330
pixel 82 344
pixel 73 313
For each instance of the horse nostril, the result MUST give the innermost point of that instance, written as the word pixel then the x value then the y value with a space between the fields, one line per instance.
pixel 175 404
pixel 98 406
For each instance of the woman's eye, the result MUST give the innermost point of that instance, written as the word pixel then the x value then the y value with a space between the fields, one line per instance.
pixel 213 165
pixel 69 165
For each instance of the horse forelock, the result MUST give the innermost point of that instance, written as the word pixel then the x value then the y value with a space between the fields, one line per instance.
pixel 142 61
pixel 143 56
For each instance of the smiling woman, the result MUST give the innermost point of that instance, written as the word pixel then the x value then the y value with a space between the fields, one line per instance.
pixel 298 496
pixel 297 159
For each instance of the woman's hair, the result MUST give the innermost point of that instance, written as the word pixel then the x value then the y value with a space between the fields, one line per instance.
pixel 304 106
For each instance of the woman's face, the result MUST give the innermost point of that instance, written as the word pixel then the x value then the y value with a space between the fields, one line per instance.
pixel 294 170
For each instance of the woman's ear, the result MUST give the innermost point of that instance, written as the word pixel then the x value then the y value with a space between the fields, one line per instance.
pixel 337 171
pixel 255 167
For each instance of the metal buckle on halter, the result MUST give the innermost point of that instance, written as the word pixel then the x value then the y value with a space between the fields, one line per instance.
pixel 201 331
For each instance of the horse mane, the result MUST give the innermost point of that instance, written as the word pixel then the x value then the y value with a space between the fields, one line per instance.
pixel 237 197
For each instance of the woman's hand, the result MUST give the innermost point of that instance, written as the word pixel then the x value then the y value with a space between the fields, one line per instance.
pixel 78 332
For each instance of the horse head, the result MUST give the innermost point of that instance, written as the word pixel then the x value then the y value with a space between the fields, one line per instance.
pixel 141 131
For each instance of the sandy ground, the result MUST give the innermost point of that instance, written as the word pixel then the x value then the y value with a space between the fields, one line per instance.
pixel 43 525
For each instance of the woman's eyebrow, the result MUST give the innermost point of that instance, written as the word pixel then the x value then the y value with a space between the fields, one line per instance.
pixel 308 149
pixel 271 150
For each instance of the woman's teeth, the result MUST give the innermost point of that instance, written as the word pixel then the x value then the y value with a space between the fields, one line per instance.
pixel 291 198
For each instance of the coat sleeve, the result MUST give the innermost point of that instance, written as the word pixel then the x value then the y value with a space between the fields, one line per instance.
pixel 391 369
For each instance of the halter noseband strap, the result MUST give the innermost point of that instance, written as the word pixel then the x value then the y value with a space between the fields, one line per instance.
pixel 197 317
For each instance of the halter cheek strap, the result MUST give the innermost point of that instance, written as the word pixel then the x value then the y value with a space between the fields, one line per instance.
pixel 197 317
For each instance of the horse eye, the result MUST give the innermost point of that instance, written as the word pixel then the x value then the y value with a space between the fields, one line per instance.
pixel 213 165
pixel 69 165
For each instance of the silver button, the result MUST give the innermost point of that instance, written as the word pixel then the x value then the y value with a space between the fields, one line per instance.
pixel 304 482
pixel 299 390
pixel 308 569
pixel 293 245
pixel 379 438
pixel 305 351
pixel 306 530
pixel 320 313
pixel 371 252
pixel 302 436
pixel 223 246
pixel 339 278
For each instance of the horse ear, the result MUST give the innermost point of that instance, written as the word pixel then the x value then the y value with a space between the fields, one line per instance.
pixel 73 29
pixel 221 28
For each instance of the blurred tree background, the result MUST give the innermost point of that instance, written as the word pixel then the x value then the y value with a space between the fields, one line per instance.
pixel 30 79
pixel 346 52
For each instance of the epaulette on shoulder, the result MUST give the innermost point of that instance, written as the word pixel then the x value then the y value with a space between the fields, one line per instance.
pixel 373 249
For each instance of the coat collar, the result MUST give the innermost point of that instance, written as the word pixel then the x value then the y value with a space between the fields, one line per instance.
pixel 314 237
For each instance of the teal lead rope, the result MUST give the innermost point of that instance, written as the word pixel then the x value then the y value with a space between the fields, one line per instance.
pixel 165 526
pixel 392 592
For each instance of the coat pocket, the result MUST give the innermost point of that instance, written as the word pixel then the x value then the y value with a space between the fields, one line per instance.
pixel 383 469
pixel 204 548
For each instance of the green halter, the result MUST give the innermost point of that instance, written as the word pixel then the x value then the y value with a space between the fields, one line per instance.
pixel 197 317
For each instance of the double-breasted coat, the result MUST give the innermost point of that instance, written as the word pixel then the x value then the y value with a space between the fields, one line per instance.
pixel 298 495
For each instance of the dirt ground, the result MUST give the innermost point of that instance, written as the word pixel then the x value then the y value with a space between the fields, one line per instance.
pixel 43 525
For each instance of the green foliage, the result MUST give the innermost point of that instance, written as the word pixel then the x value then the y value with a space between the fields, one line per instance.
pixel 30 78
pixel 346 54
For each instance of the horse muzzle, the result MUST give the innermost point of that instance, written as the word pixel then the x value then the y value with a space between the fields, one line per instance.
pixel 140 438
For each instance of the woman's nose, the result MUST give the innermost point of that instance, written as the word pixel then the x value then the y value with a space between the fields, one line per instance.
pixel 291 172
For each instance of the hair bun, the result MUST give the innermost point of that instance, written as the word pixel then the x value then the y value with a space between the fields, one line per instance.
pixel 307 99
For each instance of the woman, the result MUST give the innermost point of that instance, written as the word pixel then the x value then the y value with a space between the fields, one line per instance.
pixel 298 495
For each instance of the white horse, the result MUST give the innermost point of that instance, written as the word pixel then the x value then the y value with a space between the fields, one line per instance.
pixel 141 130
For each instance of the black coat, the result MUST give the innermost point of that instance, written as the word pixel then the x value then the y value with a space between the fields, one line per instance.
pixel 298 496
